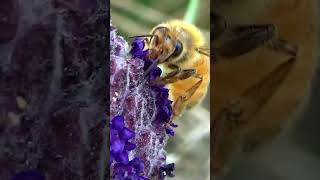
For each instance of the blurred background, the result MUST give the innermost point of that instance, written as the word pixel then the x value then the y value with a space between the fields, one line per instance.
pixel 190 148
pixel 295 154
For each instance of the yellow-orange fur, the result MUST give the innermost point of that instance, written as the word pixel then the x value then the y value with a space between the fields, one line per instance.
pixel 179 88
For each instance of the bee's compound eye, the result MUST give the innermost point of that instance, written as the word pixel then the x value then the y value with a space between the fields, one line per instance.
pixel 178 49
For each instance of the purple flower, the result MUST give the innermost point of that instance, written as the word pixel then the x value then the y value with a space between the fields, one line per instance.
pixel 170 131
pixel 29 175
pixel 119 151
pixel 120 136
pixel 141 113
pixel 137 50
pixel 167 170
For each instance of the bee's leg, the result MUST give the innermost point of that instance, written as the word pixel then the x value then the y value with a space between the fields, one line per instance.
pixel 244 38
pixel 229 124
pixel 284 47
pixel 176 70
pixel 174 76
pixel 178 104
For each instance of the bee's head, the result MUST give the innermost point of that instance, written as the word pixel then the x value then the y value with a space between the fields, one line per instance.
pixel 173 42
pixel 163 45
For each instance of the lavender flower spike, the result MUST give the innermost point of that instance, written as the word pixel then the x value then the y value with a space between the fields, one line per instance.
pixel 140 113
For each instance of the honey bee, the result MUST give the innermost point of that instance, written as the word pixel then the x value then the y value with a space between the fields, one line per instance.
pixel 180 50
pixel 233 117
pixel 258 91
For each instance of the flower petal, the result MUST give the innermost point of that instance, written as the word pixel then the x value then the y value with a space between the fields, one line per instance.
pixel 123 157
pixel 114 135
pixel 138 164
pixel 169 131
pixel 117 146
pixel 120 169
pixel 162 116
pixel 137 50
pixel 126 134
pixel 130 146
pixel 155 73
pixel 118 122
pixel 174 125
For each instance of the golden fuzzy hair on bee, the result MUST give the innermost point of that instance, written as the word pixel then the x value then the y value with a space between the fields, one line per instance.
pixel 175 27
pixel 192 40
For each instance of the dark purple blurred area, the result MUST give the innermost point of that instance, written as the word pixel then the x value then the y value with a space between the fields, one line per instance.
pixel 53 88
pixel 9 19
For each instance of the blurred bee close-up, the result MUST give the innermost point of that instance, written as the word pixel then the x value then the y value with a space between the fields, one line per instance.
pixel 264 55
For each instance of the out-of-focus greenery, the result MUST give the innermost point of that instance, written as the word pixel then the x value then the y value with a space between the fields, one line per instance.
pixel 134 17
pixel 190 148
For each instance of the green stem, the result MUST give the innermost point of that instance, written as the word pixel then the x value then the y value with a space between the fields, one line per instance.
pixel 191 12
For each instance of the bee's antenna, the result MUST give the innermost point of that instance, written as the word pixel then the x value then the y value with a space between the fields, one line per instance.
pixel 154 63
pixel 147 35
